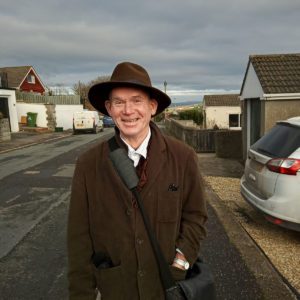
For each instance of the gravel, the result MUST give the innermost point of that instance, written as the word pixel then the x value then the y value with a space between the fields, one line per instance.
pixel 280 245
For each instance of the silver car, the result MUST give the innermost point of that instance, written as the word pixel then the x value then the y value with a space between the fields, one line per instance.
pixel 271 182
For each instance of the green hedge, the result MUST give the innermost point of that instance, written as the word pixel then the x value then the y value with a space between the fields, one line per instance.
pixel 194 114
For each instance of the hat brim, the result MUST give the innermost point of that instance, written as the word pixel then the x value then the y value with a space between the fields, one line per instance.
pixel 99 93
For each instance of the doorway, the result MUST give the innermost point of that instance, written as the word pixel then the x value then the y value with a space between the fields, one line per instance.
pixel 4 107
pixel 255 120
pixel 4 110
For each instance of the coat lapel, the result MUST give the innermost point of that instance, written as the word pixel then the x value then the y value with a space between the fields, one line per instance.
pixel 155 157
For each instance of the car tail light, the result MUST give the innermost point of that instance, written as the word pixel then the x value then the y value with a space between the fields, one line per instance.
pixel 273 220
pixel 288 166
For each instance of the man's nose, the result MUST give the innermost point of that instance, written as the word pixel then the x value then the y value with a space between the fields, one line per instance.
pixel 128 107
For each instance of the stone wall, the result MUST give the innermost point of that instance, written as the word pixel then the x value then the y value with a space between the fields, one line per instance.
pixel 229 144
pixel 4 130
pixel 51 116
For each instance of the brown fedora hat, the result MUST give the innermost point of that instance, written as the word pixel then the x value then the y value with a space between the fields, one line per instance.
pixel 129 75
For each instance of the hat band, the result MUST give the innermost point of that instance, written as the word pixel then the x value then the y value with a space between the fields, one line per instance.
pixel 133 81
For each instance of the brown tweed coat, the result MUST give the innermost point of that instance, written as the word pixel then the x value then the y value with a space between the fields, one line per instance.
pixel 103 217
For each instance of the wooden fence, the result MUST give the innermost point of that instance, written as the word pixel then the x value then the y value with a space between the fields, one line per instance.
pixel 35 98
pixel 202 140
pixel 225 143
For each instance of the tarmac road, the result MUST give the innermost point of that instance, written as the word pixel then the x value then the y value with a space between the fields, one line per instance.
pixel 35 267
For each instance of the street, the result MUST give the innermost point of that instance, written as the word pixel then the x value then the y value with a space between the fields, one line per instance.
pixel 35 189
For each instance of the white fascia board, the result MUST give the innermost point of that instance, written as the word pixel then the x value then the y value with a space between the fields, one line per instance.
pixel 252 87
pixel 281 96
pixel 37 76
pixel 24 77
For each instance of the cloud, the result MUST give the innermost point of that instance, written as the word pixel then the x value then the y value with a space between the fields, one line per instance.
pixel 193 45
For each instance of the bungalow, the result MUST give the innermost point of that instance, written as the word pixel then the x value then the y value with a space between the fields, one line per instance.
pixel 270 92
pixel 24 79
pixel 222 111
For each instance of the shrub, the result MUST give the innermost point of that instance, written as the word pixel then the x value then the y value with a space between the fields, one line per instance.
pixel 159 117
pixel 194 114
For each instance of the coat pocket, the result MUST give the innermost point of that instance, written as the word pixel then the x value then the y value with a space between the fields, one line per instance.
pixel 168 207
pixel 177 273
pixel 110 283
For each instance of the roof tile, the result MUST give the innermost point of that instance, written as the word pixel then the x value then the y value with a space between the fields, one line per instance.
pixel 278 73
pixel 221 100
pixel 15 75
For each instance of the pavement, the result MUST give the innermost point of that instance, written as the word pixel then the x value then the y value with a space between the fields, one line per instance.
pixel 28 138
pixel 270 282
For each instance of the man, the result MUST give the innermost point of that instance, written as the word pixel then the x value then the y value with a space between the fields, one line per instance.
pixel 108 246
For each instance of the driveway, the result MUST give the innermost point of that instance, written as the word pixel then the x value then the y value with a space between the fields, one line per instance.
pixel 281 246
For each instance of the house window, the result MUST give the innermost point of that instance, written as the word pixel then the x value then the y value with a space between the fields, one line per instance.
pixel 31 79
pixel 234 120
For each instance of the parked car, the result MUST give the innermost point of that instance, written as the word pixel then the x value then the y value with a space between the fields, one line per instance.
pixel 87 121
pixel 108 121
pixel 271 182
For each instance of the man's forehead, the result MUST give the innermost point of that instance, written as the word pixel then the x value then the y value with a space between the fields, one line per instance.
pixel 124 92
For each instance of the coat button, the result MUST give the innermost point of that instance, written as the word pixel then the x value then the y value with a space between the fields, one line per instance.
pixel 141 273
pixel 139 241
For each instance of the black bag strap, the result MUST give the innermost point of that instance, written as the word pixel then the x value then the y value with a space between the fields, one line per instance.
pixel 121 160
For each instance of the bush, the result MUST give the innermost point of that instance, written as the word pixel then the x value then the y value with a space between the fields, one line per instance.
pixel 159 117
pixel 194 114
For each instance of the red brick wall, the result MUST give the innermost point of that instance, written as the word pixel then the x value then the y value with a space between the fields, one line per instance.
pixel 36 87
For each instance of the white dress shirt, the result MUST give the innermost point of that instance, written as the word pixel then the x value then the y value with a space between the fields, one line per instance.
pixel 135 155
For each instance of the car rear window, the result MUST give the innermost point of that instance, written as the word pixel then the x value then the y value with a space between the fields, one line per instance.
pixel 282 140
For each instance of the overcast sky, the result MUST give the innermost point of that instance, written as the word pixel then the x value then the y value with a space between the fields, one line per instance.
pixel 197 46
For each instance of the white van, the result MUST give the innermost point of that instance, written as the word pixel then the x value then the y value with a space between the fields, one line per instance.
pixel 87 121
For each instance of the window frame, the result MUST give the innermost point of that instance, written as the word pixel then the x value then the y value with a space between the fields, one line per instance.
pixel 238 120
pixel 30 79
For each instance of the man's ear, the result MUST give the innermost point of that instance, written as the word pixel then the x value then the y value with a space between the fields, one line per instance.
pixel 153 104
pixel 108 106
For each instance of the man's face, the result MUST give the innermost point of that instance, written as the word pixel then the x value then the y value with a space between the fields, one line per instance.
pixel 131 110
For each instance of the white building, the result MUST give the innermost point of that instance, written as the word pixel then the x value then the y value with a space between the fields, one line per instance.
pixel 222 111
pixel 8 107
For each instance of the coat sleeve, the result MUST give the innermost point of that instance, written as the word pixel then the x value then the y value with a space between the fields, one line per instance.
pixel 80 273
pixel 194 214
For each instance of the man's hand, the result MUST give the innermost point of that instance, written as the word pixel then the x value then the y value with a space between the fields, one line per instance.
pixel 179 256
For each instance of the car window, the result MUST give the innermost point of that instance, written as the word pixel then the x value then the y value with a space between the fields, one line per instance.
pixel 280 141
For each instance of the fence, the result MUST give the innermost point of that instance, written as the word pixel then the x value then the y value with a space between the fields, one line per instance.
pixel 202 140
pixel 225 143
pixel 42 99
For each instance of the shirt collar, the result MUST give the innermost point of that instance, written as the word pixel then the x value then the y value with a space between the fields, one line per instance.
pixel 142 149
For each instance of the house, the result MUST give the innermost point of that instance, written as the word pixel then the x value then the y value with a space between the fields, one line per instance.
pixel 8 107
pixel 222 111
pixel 22 78
pixel 270 92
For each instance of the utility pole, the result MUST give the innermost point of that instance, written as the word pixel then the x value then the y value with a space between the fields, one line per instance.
pixel 165 85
